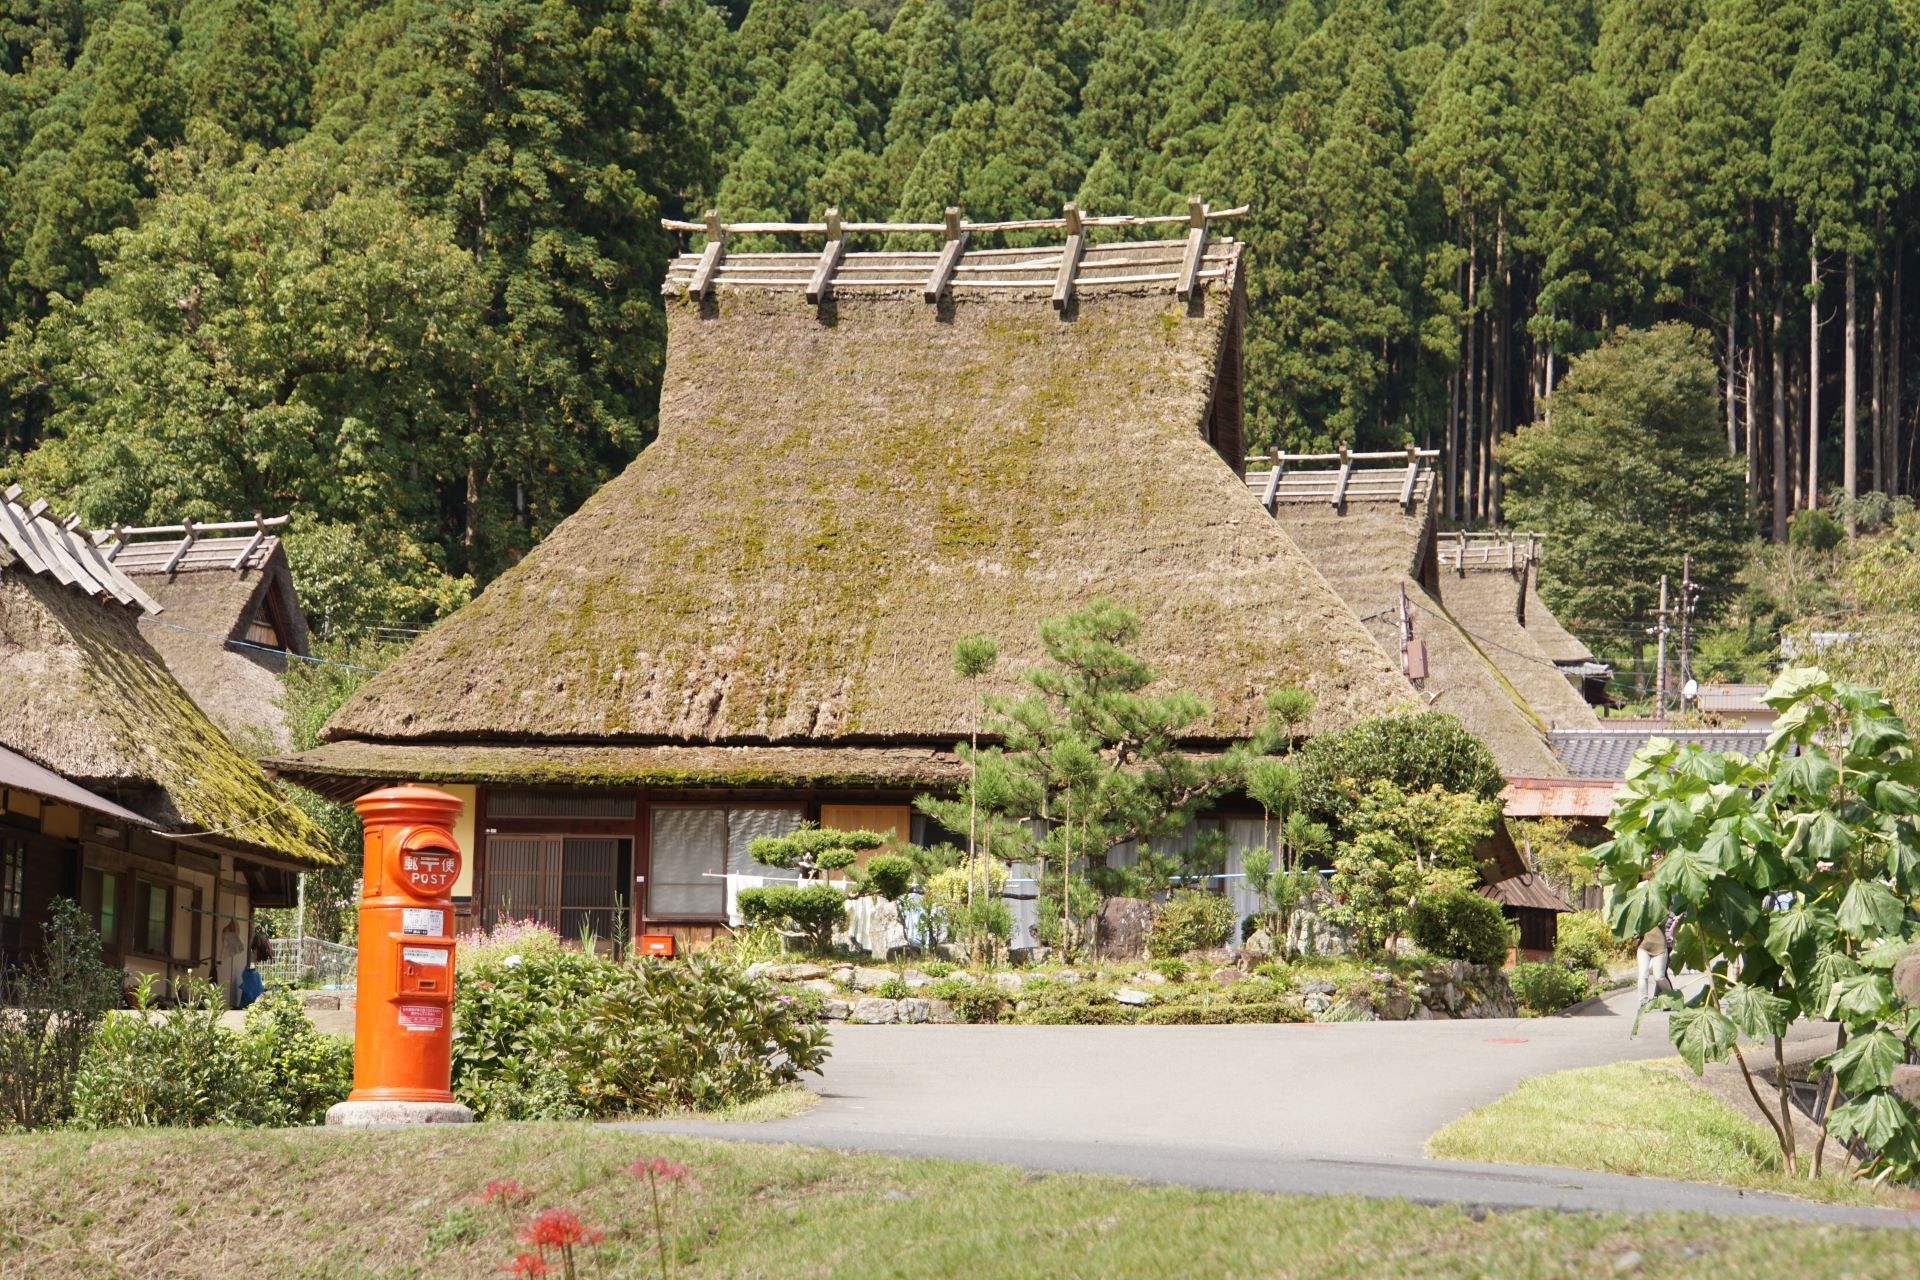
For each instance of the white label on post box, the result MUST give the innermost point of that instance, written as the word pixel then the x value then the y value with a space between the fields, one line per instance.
pixel 423 920
pixel 422 1017
pixel 433 956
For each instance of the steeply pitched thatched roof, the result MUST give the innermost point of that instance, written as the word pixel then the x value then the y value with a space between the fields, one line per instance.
pixel 213 590
pixel 1487 603
pixel 838 493
pixel 87 697
pixel 1371 546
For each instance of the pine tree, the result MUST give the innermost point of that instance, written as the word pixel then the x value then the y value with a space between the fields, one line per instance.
pixel 241 68
pixel 1642 43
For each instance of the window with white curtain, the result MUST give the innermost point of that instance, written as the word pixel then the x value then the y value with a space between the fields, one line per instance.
pixel 699 856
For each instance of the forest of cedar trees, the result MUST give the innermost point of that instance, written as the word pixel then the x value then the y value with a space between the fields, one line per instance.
pixel 394 267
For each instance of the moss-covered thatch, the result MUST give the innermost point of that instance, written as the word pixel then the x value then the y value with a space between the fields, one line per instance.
pixel 1367 552
pixel 87 696
pixel 1555 641
pixel 1487 603
pixel 838 493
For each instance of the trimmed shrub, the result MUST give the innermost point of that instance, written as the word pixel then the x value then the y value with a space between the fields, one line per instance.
pixel 888 874
pixel 1190 921
pixel 816 910
pixel 1583 941
pixel 977 1002
pixel 1077 1004
pixel 295 1072
pixel 1546 988
pixel 1459 925
pixel 1414 752
pixel 1172 970
pixel 569 1035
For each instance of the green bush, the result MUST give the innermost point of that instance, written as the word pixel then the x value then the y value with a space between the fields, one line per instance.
pixel 1414 752
pixel 1459 925
pixel 893 989
pixel 180 1067
pixel 936 968
pixel 888 874
pixel 52 1007
pixel 1190 921
pixel 1815 530
pixel 1079 1004
pixel 816 910
pixel 570 1035
pixel 1546 988
pixel 1220 1012
pixel 804 1003
pixel 1583 941
pixel 977 1002
pixel 1172 970
pixel 295 1072
pixel 1274 971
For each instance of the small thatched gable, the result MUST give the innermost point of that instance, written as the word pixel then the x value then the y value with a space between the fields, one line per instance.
pixel 232 616
pixel 840 491
pixel 90 699
pixel 1370 531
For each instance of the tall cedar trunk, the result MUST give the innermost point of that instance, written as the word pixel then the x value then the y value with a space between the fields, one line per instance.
pixel 1473 380
pixel 1849 409
pixel 1777 353
pixel 1503 372
pixel 1897 475
pixel 1811 497
pixel 1877 381
pixel 1733 364
pixel 1749 374
pixel 1453 417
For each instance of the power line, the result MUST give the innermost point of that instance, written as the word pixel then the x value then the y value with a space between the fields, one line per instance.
pixel 261 648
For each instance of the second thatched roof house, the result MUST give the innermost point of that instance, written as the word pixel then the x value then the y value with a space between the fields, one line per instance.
pixel 115 789
pixel 862 456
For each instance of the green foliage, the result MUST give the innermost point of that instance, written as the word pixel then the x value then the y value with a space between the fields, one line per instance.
pixel 1825 814
pixel 978 1002
pixel 1815 530
pixel 1172 970
pixel 1584 942
pixel 816 910
pixel 890 875
pixel 1403 845
pixel 812 850
pixel 294 1073
pixel 1413 752
pixel 1190 920
pixel 893 989
pixel 53 1004
pixel 1546 988
pixel 1631 473
pixel 974 656
pixel 1459 924
pixel 565 1034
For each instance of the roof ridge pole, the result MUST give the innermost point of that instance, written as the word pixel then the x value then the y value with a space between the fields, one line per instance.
pixel 1340 485
pixel 1069 259
pixel 701 283
pixel 949 259
pixel 820 287
pixel 1196 249
pixel 1413 474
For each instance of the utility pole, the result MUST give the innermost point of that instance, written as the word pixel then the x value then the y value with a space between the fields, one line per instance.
pixel 1686 621
pixel 1660 660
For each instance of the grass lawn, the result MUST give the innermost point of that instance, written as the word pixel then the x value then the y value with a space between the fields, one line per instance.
pixel 216 1205
pixel 1639 1118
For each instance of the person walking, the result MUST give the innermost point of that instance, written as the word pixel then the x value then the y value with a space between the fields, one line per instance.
pixel 1651 956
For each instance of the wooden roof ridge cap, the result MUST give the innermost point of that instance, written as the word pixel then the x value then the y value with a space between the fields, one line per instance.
pixel 937 228
pixel 63 549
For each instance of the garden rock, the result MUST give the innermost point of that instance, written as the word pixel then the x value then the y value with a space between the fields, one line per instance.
pixel 915 979
pixel 1128 995
pixel 869 979
pixel 1226 977
pixel 821 985
pixel 1008 982
pixel 1258 943
pixel 793 972
pixel 1316 1002
pixel 1151 978
pixel 873 1011
pixel 834 1011
pixel 940 1013
pixel 914 1010
pixel 843 975
pixel 1067 977
pixel 1395 1005
pixel 1317 987
pixel 1120 931
pixel 1309 934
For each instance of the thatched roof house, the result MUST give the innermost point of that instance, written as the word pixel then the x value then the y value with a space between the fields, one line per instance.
pixel 861 457
pixel 117 790
pixel 1465 638
pixel 232 616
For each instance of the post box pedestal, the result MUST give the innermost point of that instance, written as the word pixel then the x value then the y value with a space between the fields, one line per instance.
pixel 403 1009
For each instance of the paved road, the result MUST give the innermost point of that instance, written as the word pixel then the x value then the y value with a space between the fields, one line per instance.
pixel 1341 1108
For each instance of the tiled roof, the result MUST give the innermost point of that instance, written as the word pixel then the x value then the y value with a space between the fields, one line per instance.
pixel 63 551
pixel 1605 753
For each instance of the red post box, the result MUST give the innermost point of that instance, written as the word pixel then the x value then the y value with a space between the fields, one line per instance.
pixel 403 1010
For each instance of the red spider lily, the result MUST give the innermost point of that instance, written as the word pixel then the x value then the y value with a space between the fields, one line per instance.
pixel 559 1229
pixel 662 1170
pixel 503 1192
pixel 528 1264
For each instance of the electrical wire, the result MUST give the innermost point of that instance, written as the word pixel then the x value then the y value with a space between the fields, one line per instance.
pixel 220 831
pixel 260 648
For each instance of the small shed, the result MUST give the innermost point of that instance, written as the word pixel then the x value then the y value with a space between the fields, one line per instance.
pixel 232 616
pixel 1529 901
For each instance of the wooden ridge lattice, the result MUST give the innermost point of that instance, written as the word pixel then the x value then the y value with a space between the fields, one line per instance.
pixel 1186 265
pixel 1506 550
pixel 1356 477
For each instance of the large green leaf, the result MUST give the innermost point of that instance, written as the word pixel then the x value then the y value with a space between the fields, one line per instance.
pixel 1793 937
pixel 1903 858
pixel 1864 995
pixel 1756 1012
pixel 1794 684
pixel 1721 848
pixel 1874 736
pixel 1669 820
pixel 1870 909
pixel 1828 838
pixel 1684 874
pixel 1867 1061
pixel 1701 1036
pixel 1877 1120
pixel 1737 909
pixel 1889 796
pixel 1636 910
pixel 1809 775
